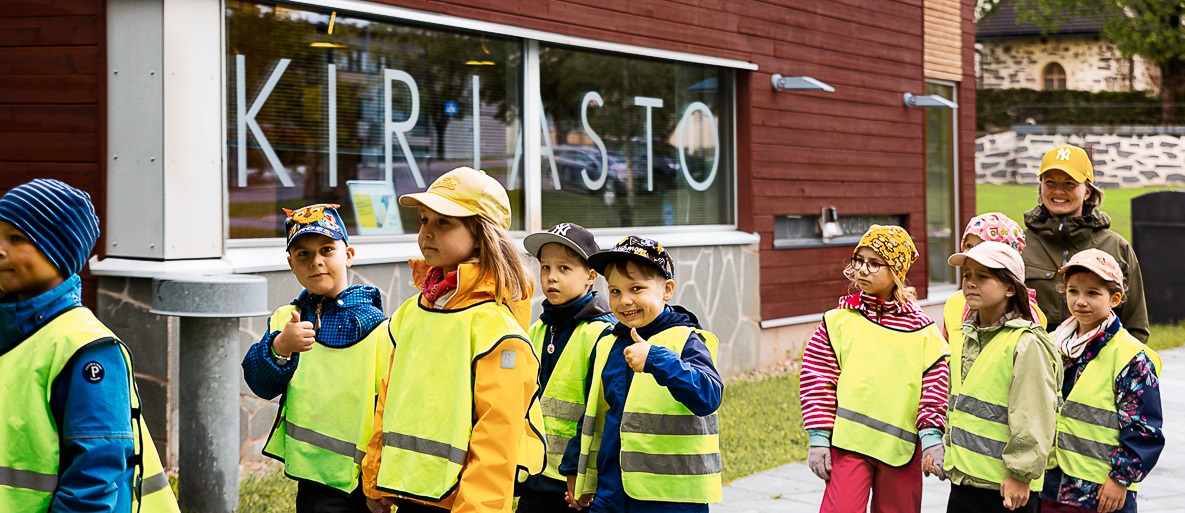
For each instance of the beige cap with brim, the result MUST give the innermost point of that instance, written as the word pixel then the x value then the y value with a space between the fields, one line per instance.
pixel 465 192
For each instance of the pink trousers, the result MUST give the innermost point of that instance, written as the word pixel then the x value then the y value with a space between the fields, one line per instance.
pixel 854 476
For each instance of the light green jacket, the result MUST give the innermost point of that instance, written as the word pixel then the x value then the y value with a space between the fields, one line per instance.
pixel 1032 415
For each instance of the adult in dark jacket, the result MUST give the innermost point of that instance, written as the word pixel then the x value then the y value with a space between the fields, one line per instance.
pixel 1067 220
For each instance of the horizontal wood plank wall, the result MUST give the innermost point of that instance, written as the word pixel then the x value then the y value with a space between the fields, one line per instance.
pixel 51 114
pixel 857 149
pixel 944 39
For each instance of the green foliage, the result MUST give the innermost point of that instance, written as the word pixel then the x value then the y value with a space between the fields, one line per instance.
pixel 1166 336
pixel 761 425
pixel 1137 27
pixel 999 109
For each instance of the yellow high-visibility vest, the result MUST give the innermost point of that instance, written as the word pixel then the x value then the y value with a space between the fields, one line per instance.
pixel 29 462
pixel 668 453
pixel 428 416
pixel 880 384
pixel 1088 422
pixel 327 412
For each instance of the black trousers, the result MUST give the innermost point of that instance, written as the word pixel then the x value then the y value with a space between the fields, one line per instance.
pixel 543 502
pixel 969 499
pixel 317 498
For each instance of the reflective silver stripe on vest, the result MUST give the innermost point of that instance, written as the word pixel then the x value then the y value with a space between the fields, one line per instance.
pixel 982 409
pixel 323 441
pixel 1091 415
pixel 883 427
pixel 662 424
pixel 588 425
pixel 671 464
pixel 1088 448
pixel 561 409
pixel 976 443
pixel 28 479
pixel 425 446
pixel 154 484
pixel 556 444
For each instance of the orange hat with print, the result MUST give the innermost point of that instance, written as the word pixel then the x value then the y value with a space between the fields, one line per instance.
pixel 893 244
pixel 465 192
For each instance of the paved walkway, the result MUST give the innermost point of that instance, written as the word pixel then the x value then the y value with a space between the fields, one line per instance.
pixel 794 489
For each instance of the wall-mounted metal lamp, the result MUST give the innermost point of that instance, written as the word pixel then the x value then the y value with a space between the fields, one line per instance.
pixel 781 83
pixel 829 224
pixel 928 100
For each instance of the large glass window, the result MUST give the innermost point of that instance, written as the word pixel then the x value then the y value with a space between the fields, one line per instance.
pixel 630 141
pixel 336 107
pixel 331 107
pixel 941 232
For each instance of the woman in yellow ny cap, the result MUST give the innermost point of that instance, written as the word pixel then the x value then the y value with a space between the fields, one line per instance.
pixel 1066 220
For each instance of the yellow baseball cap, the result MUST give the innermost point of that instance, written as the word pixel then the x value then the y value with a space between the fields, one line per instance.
pixel 465 192
pixel 1071 159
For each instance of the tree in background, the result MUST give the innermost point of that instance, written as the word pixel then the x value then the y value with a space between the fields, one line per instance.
pixel 1151 29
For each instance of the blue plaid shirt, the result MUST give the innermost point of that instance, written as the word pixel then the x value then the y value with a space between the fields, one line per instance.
pixel 344 321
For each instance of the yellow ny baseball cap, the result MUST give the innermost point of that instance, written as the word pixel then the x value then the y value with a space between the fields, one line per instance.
pixel 1071 159
pixel 465 192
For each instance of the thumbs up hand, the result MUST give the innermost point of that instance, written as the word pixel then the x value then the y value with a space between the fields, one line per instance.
pixel 636 353
pixel 297 337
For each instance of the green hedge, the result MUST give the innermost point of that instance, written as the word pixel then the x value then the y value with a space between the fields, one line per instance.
pixel 998 109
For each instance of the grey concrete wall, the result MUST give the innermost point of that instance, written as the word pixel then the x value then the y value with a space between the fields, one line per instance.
pixel 718 283
pixel 1123 156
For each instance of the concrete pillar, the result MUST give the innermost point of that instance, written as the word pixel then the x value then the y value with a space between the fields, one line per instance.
pixel 209 308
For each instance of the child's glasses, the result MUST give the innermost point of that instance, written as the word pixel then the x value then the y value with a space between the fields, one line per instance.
pixel 872 267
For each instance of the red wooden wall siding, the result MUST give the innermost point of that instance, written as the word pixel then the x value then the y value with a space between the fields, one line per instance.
pixel 52 55
pixel 857 149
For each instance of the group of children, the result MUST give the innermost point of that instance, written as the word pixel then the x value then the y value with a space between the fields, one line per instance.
pixel 456 402
pixel 1016 418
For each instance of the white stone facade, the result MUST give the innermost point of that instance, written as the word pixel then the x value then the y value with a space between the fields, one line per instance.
pixel 1090 63
pixel 1135 160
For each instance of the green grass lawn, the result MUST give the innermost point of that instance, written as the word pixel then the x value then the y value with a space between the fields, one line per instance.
pixel 761 425
pixel 1013 200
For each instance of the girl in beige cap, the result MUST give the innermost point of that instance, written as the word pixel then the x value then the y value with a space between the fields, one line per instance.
pixel 1003 389
pixel 1109 428
pixel 457 416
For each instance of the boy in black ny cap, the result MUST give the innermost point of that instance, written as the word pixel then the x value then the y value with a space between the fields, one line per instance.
pixel 325 355
pixel 71 435
pixel 650 438
pixel 574 318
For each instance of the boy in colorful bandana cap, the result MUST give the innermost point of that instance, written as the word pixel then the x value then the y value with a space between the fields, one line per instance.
pixel 75 448
pixel 894 376
pixel 574 318
pixel 995 227
pixel 655 374
pixel 323 353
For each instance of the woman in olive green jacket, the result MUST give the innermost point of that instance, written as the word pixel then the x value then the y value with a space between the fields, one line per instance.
pixel 1067 220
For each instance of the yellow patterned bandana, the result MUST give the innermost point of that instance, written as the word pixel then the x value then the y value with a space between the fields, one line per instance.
pixel 893 244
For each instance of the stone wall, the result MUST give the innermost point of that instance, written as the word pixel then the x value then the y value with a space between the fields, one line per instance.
pixel 1128 157
pixel 718 283
pixel 1091 64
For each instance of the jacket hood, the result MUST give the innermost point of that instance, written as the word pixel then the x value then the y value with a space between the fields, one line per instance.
pixel 586 308
pixel 1040 220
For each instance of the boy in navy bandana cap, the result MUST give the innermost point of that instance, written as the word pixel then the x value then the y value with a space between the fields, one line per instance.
pixel 82 451
pixel 324 354
pixel 650 438
pixel 574 318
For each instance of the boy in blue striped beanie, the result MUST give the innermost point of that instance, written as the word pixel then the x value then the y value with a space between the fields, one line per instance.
pixel 82 450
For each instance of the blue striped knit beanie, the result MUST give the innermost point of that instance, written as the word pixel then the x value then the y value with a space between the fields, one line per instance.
pixel 59 219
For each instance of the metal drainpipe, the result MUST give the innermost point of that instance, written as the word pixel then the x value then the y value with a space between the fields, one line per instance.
pixel 208 445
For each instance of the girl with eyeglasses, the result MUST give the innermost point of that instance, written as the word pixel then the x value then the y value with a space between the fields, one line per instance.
pixel 872 424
